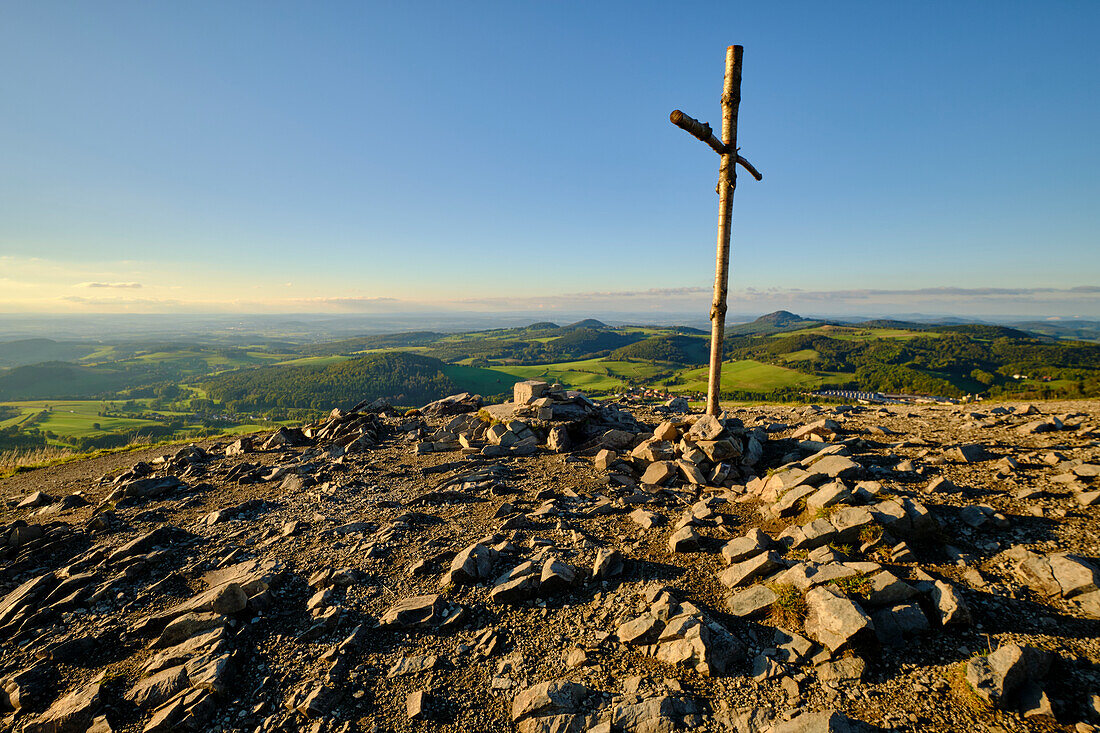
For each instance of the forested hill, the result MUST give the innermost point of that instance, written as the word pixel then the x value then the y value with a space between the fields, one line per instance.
pixel 773 323
pixel 408 379
pixel 37 351
pixel 678 349
pixel 952 361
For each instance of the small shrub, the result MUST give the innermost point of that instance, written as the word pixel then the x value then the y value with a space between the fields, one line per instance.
pixel 789 609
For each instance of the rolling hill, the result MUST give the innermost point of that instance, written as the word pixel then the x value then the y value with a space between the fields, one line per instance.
pixel 402 378
pixel 37 351
pixel 678 348
pixel 772 323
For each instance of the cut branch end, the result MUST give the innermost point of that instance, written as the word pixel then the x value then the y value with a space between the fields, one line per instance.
pixel 699 130
pixel 749 167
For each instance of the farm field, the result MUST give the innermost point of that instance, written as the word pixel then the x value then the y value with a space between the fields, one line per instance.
pixel 79 418
pixel 485 382
pixel 752 375
pixel 849 333
pixel 312 360
pixel 213 359
pixel 803 355
pixel 71 418
pixel 590 374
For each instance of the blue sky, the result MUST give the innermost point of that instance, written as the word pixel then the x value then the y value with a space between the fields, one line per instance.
pixel 275 156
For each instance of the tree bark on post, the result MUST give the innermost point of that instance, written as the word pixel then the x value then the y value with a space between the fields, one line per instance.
pixel 727 182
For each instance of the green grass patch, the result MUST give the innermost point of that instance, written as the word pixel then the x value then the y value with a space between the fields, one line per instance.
pixel 13 463
pixel 485 382
pixel 315 360
pixel 752 375
pixel 597 375
pixel 857 585
pixel 851 333
pixel 74 418
pixel 802 355
pixel 789 609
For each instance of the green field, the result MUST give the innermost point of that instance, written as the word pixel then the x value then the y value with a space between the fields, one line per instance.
pixel 314 360
pixel 753 376
pixel 74 418
pixel 23 415
pixel 213 359
pixel 333 358
pixel 849 333
pixel 803 355
pixel 485 382
pixel 642 330
pixel 596 375
pixel 78 418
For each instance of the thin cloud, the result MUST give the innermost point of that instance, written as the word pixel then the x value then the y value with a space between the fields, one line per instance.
pixel 1080 292
pixel 128 302
pixel 1078 301
pixel 1083 292
pixel 345 301
pixel 120 286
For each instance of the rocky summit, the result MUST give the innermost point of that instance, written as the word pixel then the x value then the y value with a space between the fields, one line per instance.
pixel 554 564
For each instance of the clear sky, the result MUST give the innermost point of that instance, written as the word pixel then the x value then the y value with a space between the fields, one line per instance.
pixel 929 157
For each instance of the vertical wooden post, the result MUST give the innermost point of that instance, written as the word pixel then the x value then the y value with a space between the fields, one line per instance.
pixel 727 182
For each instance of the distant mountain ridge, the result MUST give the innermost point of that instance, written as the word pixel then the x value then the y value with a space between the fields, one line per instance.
pixel 773 323
pixel 778 318
pixel 586 323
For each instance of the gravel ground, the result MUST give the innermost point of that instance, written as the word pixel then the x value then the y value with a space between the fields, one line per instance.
pixel 317 547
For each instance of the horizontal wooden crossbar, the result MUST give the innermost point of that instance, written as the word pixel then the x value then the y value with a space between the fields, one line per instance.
pixel 703 131
pixel 697 129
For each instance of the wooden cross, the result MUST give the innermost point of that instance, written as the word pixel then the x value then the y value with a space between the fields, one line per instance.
pixel 727 181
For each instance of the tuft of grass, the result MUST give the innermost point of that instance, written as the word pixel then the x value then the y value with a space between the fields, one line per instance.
pixel 485 417
pixel 840 548
pixel 806 516
pixel 881 553
pixel 16 461
pixel 857 585
pixel 53 456
pixel 789 609
pixel 871 534
pixel 960 687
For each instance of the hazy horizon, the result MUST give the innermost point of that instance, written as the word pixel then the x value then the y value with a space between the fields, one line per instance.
pixel 317 327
